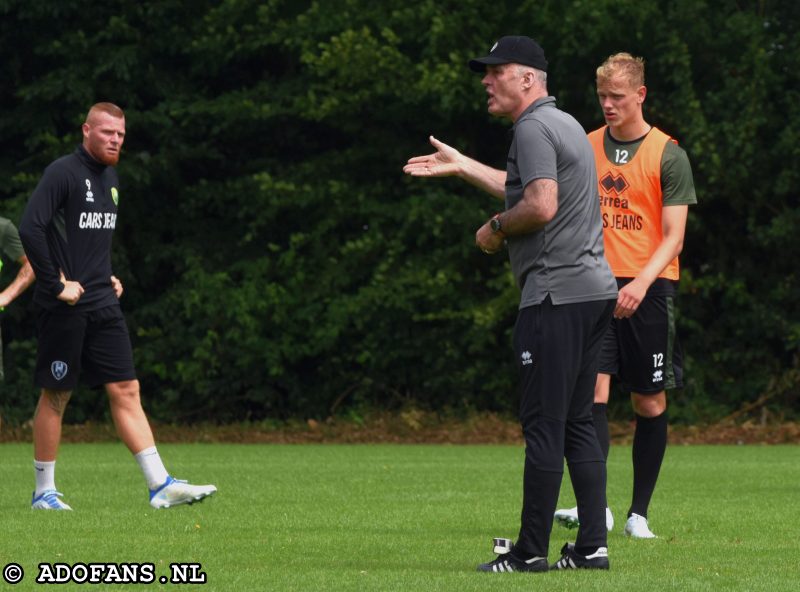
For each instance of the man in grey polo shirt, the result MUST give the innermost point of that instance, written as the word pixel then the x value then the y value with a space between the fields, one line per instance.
pixel 551 225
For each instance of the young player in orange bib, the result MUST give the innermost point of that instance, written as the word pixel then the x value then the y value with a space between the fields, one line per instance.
pixel 645 185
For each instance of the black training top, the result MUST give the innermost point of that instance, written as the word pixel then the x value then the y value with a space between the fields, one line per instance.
pixel 67 226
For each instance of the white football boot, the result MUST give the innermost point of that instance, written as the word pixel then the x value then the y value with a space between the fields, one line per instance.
pixel 568 518
pixel 636 527
pixel 175 492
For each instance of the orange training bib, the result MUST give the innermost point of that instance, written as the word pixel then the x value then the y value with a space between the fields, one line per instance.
pixel 631 204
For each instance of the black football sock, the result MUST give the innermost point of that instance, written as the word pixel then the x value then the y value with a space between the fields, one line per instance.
pixel 649 444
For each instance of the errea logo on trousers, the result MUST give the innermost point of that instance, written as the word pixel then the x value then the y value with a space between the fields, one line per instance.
pixel 527 358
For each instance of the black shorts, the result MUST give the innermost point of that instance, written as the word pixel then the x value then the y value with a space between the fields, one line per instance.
pixel 643 351
pixel 93 343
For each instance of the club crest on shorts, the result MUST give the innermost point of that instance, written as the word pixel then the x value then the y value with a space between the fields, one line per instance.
pixel 527 358
pixel 59 369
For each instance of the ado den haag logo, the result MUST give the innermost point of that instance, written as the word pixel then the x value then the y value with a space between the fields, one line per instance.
pixel 59 369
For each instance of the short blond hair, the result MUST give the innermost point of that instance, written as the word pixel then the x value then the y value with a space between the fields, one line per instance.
pixel 109 108
pixel 623 64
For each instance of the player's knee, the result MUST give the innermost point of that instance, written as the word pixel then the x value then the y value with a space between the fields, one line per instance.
pixel 649 405
pixel 124 393
pixel 54 400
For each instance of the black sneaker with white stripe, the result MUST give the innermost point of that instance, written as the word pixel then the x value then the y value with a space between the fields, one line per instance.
pixel 570 559
pixel 507 562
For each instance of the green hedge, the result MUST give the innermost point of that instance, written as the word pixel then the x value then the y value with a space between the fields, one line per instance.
pixel 278 264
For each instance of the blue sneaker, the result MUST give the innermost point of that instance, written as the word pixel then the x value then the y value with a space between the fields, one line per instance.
pixel 48 500
pixel 175 492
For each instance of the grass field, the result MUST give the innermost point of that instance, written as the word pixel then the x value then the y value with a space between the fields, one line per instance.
pixel 389 517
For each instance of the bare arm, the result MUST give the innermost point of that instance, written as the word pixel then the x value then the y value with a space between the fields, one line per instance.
pixel 449 162
pixel 24 279
pixel 673 229
pixel 537 207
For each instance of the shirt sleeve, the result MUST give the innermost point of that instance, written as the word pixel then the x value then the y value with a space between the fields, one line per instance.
pixel 48 197
pixel 536 152
pixel 9 240
pixel 677 185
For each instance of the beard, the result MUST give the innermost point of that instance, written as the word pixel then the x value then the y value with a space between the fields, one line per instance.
pixel 109 159
pixel 97 150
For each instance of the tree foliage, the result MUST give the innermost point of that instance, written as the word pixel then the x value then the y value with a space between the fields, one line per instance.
pixel 278 264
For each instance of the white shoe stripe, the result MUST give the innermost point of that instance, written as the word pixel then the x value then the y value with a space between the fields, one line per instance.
pixel 503 567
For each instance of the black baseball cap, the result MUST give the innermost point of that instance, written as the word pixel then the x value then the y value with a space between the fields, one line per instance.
pixel 512 49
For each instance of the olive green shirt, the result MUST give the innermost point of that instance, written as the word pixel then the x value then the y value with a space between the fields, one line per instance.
pixel 10 244
pixel 677 184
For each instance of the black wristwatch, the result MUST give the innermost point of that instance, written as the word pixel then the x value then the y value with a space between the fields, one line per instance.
pixel 495 225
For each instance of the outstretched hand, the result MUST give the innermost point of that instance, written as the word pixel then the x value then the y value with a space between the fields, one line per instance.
pixel 442 163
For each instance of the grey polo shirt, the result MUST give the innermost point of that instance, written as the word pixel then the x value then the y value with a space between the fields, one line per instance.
pixel 564 259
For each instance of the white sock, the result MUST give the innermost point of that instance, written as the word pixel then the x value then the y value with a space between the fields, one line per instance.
pixel 45 476
pixel 153 468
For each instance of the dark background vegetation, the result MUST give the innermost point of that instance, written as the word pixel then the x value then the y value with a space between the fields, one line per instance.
pixel 277 263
